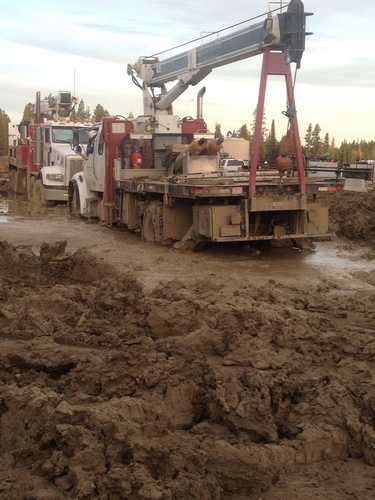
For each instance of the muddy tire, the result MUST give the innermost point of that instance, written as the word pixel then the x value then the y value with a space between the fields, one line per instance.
pixel 38 195
pixel 74 202
pixel 30 188
pixel 12 181
pixel 152 223
pixel 16 181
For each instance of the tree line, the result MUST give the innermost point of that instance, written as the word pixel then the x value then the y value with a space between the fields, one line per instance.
pixel 315 144
pixel 4 140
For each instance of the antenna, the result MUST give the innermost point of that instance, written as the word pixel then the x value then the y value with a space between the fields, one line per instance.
pixel 74 82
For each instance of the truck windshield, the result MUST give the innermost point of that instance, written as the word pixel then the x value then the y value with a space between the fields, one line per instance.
pixel 65 135
pixel 235 163
pixel 232 163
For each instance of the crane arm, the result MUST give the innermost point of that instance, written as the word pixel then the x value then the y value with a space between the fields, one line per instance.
pixel 231 48
pixel 286 30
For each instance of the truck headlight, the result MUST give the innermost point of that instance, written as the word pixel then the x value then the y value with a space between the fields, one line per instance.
pixel 55 177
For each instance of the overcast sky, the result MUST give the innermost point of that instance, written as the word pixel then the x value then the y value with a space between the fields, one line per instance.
pixel 85 46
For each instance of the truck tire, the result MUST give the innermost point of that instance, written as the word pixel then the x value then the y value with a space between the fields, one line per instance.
pixel 38 198
pixel 30 188
pixel 16 181
pixel 13 181
pixel 74 202
pixel 38 195
pixel 152 222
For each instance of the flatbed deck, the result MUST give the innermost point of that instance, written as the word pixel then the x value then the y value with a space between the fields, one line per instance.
pixel 209 186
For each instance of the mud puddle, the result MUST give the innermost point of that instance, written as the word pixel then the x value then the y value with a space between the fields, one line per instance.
pixel 329 258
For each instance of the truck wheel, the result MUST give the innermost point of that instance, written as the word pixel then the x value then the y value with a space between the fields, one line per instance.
pixel 74 203
pixel 30 188
pixel 16 180
pixel 13 181
pixel 38 195
pixel 152 223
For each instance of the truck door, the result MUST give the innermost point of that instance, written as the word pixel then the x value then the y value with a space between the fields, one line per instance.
pixel 95 163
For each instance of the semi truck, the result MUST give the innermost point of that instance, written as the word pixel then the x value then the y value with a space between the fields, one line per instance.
pixel 41 158
pixel 160 175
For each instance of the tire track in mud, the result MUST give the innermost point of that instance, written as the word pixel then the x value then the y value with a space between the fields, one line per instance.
pixel 185 391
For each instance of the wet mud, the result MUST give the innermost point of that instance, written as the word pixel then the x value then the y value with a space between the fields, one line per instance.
pixel 131 371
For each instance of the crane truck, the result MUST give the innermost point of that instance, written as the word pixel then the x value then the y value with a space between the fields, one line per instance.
pixel 41 159
pixel 160 175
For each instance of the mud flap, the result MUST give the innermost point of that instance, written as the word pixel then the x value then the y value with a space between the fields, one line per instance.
pixel 317 219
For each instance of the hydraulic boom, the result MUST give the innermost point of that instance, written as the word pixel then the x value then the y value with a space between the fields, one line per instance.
pixel 283 31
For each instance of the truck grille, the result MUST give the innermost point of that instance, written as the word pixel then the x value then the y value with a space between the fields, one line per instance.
pixel 74 164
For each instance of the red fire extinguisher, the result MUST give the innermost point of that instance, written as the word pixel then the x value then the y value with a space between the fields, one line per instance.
pixel 136 160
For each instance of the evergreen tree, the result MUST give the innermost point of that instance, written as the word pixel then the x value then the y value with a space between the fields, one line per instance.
pixel 316 142
pixel 80 112
pixel 264 127
pixel 87 115
pixel 308 142
pixel 217 130
pixel 353 155
pixel 4 139
pixel 263 135
pixel 99 113
pixel 28 112
pixel 243 132
pixel 331 149
pixel 272 145
pixel 369 150
pixel 344 153
pixel 359 151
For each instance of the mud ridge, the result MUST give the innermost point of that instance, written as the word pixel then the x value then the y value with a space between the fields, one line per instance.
pixel 183 392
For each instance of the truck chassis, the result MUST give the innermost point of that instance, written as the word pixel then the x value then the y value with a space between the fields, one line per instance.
pixel 195 211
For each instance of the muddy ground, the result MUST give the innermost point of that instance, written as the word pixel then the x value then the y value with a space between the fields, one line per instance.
pixel 134 371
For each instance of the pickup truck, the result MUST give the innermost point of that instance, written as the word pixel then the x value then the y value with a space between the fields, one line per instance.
pixel 230 165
